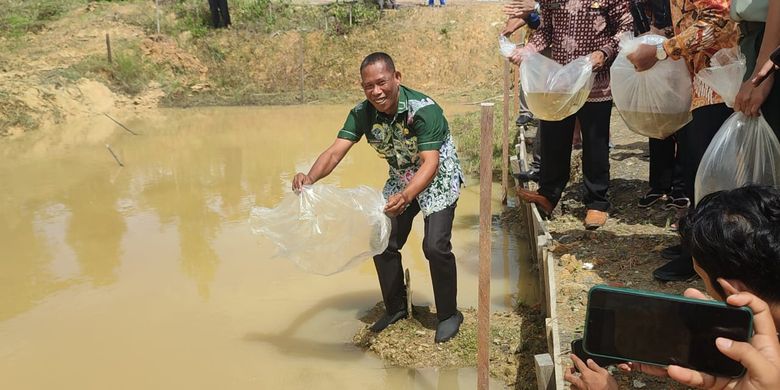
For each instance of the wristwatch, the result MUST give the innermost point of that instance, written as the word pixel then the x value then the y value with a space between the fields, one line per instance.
pixel 660 52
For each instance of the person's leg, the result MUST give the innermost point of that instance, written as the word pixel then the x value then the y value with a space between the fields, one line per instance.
pixel 693 140
pixel 594 119
pixel 223 8
pixel 388 263
pixel 215 18
pixel 662 153
pixel 438 250
pixel 556 154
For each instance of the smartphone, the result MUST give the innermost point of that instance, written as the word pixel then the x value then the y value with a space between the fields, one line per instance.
pixel 663 329
pixel 577 349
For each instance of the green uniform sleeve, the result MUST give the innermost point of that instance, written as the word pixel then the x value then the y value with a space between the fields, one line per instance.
pixel 356 123
pixel 431 127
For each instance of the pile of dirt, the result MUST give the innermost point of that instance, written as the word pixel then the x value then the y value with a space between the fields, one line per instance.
pixel 515 338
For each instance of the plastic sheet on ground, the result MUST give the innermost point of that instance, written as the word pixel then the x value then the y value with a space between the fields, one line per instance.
pixel 326 229
pixel 656 102
pixel 745 150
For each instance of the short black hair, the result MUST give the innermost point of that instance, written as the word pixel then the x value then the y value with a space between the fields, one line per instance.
pixel 378 57
pixel 735 234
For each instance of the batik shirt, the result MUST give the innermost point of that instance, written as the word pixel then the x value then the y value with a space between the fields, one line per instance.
pixel 701 28
pixel 575 28
pixel 419 125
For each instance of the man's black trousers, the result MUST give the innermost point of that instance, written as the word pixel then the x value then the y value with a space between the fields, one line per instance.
pixel 437 249
pixel 220 16
pixel 556 155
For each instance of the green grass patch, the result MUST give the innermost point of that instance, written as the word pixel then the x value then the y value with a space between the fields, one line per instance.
pixel 129 72
pixel 465 129
pixel 21 17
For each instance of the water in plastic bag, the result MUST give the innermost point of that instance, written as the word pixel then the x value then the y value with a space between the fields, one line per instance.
pixel 326 229
pixel 654 103
pixel 745 150
pixel 554 91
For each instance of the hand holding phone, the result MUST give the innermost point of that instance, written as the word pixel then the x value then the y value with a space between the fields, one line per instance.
pixel 761 356
pixel 663 329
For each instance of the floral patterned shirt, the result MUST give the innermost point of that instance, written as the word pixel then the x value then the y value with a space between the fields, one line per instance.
pixel 701 28
pixel 419 125
pixel 575 28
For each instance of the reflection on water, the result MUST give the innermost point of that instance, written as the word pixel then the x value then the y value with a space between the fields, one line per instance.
pixel 147 276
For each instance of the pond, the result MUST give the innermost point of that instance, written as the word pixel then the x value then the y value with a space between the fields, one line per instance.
pixel 147 275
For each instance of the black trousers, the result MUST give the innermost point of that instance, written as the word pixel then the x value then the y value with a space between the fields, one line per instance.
pixel 556 155
pixel 694 138
pixel 666 166
pixel 437 249
pixel 220 16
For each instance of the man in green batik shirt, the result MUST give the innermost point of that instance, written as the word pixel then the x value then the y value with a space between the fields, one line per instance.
pixel 408 129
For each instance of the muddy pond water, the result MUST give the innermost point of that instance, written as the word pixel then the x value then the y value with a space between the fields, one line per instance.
pixel 147 276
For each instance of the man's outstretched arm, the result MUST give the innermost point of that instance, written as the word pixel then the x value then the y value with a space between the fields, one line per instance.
pixel 324 165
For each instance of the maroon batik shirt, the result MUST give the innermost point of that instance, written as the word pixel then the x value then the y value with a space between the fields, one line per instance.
pixel 575 28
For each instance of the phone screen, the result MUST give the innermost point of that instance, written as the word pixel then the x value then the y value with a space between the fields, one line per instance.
pixel 664 329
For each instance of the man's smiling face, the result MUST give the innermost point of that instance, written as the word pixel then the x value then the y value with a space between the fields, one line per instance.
pixel 381 86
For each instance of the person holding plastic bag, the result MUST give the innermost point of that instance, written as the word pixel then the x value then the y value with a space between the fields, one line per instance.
pixel 574 29
pixel 409 130
pixel 745 150
pixel 760 36
pixel 701 27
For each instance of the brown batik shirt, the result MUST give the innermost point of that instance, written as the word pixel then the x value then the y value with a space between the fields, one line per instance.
pixel 575 28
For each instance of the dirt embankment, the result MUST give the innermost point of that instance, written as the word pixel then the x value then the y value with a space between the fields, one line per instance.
pixel 60 70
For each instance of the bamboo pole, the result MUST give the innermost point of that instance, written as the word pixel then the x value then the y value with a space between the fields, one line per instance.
pixel 485 217
pixel 505 138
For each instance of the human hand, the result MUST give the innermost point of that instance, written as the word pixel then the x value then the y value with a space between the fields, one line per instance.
pixel 518 55
pixel 519 8
pixel 769 67
pixel 396 204
pixel 750 98
pixel 597 58
pixel 761 356
pixel 592 377
pixel 643 58
pixel 299 181
pixel 512 25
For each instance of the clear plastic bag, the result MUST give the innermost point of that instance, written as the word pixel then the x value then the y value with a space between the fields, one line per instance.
pixel 745 150
pixel 724 75
pixel 554 91
pixel 505 46
pixel 326 229
pixel 656 102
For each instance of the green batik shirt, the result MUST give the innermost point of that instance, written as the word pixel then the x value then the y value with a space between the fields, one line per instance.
pixel 418 126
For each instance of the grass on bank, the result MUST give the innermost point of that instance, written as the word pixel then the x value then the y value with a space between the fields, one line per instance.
pixel 466 130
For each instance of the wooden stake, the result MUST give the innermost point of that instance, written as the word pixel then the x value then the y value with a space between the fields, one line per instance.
pixel 505 139
pixel 157 15
pixel 123 126
pixel 408 293
pixel 114 154
pixel 485 219
pixel 303 60
pixel 108 48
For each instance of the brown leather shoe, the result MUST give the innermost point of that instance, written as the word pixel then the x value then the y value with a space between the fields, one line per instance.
pixel 595 219
pixel 544 205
